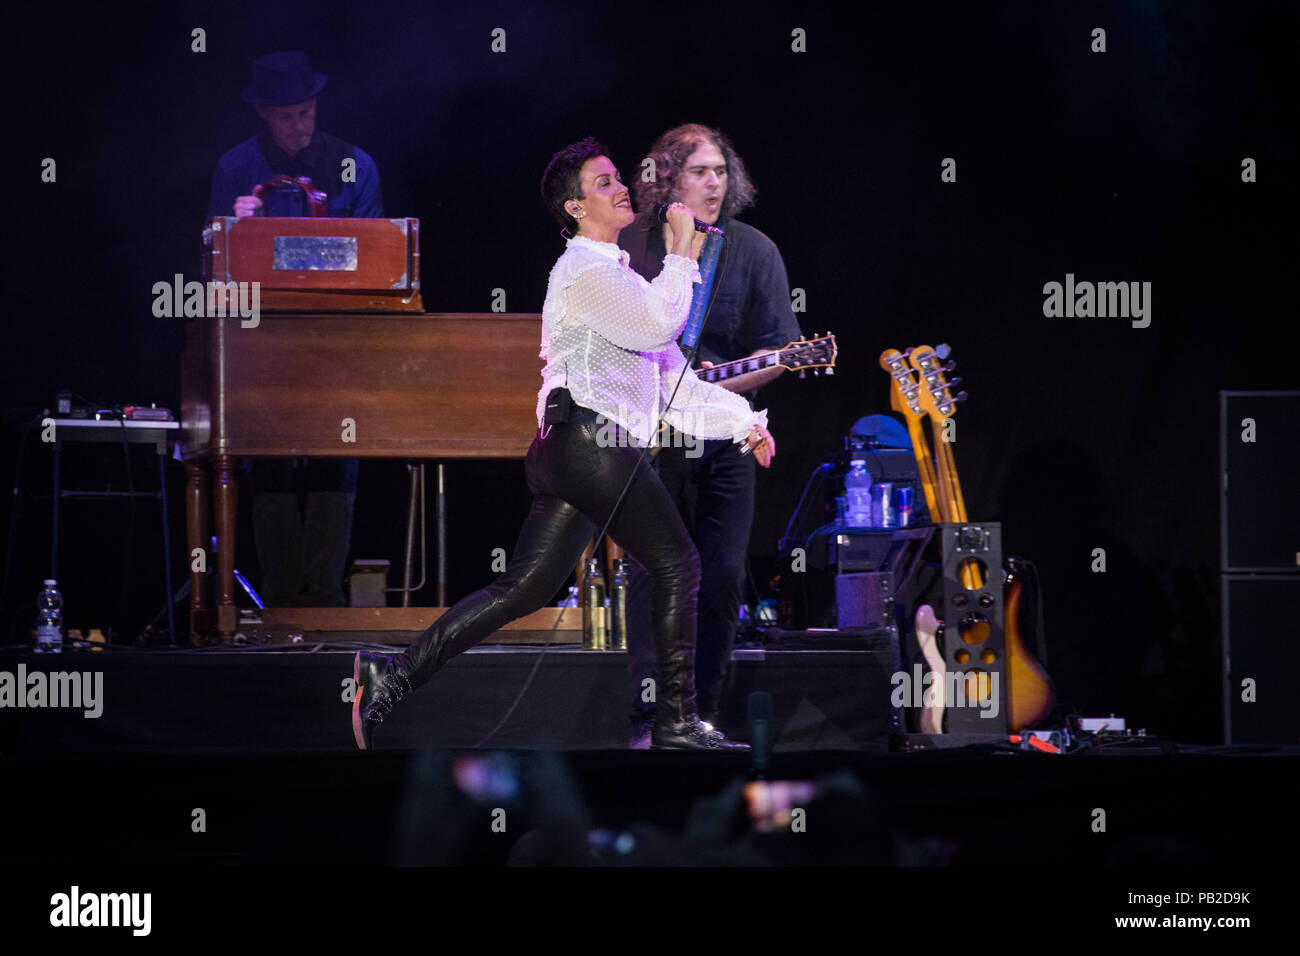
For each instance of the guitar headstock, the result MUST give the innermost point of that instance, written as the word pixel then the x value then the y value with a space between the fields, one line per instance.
pixel 816 353
pixel 936 395
pixel 905 398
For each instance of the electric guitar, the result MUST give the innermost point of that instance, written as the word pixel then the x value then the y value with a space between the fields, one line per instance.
pixel 816 354
pixel 940 405
pixel 928 629
pixel 1029 689
pixel 920 386
pixel 905 398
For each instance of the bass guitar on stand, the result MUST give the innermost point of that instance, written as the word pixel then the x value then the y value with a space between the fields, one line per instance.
pixel 921 389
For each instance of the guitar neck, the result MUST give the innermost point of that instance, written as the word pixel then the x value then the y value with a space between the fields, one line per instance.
pixel 924 466
pixel 957 502
pixel 752 363
pixel 953 506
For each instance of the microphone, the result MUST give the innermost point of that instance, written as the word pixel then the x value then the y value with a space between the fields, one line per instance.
pixel 661 215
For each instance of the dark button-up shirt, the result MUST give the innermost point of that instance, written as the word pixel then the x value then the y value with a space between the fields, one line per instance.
pixel 256 160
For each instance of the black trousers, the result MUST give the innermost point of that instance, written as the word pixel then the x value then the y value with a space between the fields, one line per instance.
pixel 713 487
pixel 575 477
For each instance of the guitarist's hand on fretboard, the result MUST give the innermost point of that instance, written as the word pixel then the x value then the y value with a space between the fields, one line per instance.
pixel 757 369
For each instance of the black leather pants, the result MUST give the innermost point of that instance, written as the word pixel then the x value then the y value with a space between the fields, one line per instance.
pixel 575 483
pixel 718 515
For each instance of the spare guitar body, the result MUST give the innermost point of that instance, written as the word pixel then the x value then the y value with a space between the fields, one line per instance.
pixel 1029 689
pixel 1030 697
pixel 928 630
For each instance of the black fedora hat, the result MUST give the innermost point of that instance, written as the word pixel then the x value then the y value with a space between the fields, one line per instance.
pixel 282 79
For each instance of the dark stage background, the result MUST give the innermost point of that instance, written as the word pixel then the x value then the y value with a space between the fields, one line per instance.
pixel 1079 433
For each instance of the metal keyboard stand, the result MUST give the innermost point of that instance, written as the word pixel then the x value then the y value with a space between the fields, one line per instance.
pixel 158 434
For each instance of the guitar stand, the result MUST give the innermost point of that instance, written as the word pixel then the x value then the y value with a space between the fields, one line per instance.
pixel 974 637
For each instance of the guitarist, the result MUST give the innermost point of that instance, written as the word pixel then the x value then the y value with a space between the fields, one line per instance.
pixel 712 483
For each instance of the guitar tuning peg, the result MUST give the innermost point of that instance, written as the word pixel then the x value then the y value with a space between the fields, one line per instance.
pixel 803 373
pixel 816 373
pixel 954 380
pixel 830 371
pixel 959 397
pixel 942 350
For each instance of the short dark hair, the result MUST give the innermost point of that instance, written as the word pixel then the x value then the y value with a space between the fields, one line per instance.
pixel 562 180
pixel 670 152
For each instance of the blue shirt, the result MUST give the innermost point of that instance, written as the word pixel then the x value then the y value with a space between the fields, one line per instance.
pixel 256 160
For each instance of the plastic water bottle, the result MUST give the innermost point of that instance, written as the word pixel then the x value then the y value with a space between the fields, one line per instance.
pixel 618 607
pixel 49 620
pixel 857 491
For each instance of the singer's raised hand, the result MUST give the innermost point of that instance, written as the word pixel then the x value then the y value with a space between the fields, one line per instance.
pixel 681 230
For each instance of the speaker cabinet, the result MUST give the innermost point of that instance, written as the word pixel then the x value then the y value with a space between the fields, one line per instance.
pixel 1259 459
pixel 864 600
pixel 1261 649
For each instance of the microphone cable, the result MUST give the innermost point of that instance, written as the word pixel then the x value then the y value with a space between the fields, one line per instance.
pixel 690 360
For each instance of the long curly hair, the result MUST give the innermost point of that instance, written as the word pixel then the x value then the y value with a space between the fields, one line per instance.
pixel 670 152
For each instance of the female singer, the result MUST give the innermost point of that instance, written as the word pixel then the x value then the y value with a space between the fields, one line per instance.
pixel 612 364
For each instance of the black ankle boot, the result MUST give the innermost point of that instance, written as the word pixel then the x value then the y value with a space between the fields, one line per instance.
pixel 676 724
pixel 692 734
pixel 378 687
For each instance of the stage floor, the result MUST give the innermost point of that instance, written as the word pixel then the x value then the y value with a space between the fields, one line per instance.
pixel 297 698
pixel 257 744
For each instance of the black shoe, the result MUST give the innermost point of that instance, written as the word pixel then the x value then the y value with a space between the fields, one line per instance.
pixel 693 734
pixel 677 724
pixel 378 688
